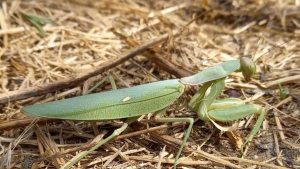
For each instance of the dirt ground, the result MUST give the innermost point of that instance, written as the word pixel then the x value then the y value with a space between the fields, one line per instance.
pixel 139 42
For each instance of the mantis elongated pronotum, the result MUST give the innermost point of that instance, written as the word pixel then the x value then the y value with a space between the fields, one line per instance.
pixel 131 103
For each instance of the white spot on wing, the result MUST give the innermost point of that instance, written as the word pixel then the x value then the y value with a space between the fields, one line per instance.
pixel 126 99
pixel 208 91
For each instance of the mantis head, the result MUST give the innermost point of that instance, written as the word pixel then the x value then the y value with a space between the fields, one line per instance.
pixel 248 68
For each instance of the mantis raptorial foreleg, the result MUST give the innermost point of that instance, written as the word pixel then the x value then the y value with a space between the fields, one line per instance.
pixel 225 110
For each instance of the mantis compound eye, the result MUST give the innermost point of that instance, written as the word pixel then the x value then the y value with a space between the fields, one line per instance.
pixel 248 68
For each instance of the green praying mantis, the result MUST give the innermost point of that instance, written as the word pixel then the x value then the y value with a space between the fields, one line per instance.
pixel 131 103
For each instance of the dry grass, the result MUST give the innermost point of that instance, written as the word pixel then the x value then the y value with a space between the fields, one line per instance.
pixel 97 37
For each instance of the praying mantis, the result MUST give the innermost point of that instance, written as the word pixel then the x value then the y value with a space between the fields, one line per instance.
pixel 131 103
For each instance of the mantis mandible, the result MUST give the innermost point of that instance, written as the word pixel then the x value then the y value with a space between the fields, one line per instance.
pixel 131 103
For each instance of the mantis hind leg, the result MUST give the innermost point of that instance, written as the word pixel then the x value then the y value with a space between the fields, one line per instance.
pixel 108 77
pixel 85 153
pixel 114 134
pixel 158 118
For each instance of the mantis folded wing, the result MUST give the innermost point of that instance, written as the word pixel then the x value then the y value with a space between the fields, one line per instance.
pixel 110 105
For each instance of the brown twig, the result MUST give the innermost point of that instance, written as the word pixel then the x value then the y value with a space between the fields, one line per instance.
pixel 174 69
pixel 23 122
